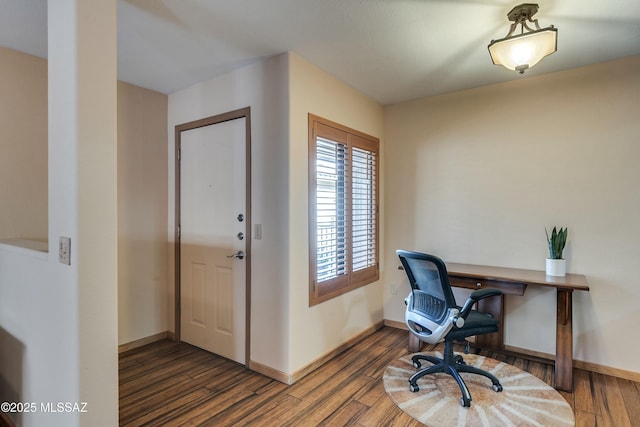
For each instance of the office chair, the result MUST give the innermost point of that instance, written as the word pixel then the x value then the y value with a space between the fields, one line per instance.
pixel 433 316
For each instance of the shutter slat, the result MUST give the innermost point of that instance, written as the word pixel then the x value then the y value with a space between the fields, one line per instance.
pixel 331 243
pixel 364 218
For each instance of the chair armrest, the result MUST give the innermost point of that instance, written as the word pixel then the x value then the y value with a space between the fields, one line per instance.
pixel 477 296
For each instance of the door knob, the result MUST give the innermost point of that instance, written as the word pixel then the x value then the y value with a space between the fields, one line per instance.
pixel 239 255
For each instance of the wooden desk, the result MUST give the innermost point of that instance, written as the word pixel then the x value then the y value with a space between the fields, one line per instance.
pixel 513 281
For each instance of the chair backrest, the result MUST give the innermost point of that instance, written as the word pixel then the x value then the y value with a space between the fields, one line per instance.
pixel 430 287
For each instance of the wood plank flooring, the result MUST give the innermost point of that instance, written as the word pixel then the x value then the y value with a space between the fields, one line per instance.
pixel 174 384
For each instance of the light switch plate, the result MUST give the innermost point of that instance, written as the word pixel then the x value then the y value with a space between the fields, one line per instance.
pixel 64 255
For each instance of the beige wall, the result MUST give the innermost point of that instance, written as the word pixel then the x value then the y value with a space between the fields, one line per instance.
pixel 477 175
pixel 286 334
pixel 60 321
pixel 142 181
pixel 142 184
pixel 142 213
pixel 23 138
pixel 262 86
pixel 317 330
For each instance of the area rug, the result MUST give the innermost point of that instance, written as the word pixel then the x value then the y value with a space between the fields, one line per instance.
pixel 524 401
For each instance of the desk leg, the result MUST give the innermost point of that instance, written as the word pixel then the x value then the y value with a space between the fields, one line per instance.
pixel 414 343
pixel 564 341
pixel 494 306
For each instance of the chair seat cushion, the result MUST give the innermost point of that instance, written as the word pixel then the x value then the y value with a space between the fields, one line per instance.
pixel 475 324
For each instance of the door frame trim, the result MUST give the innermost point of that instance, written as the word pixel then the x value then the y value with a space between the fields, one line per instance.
pixel 207 121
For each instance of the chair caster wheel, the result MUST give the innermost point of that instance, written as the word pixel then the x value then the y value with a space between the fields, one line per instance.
pixel 465 403
pixel 459 360
pixel 414 388
pixel 497 388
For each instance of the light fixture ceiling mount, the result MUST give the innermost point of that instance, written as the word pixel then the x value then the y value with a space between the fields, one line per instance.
pixel 522 51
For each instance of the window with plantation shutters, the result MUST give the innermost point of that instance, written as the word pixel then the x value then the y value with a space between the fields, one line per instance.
pixel 343 206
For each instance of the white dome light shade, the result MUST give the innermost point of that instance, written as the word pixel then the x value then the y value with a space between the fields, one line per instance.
pixel 523 51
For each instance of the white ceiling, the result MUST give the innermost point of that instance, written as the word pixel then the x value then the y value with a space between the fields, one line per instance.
pixel 392 50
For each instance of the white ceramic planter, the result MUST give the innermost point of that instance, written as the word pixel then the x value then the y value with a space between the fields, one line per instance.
pixel 556 267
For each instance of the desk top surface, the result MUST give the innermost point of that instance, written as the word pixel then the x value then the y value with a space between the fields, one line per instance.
pixel 570 281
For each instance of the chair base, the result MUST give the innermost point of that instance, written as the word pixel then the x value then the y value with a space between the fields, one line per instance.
pixel 453 365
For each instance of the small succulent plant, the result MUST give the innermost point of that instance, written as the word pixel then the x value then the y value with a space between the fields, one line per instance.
pixel 556 242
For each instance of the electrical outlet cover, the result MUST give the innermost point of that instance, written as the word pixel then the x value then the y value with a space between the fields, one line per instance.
pixel 64 255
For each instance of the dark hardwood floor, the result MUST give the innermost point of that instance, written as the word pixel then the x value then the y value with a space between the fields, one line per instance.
pixel 174 384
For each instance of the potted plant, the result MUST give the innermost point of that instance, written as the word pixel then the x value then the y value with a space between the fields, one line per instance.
pixel 556 265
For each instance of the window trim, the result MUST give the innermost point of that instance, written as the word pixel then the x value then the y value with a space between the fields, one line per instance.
pixel 352 279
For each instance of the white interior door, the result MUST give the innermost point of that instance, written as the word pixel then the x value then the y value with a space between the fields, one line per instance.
pixel 212 229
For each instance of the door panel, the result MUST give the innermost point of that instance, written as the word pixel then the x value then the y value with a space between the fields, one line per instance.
pixel 197 282
pixel 212 196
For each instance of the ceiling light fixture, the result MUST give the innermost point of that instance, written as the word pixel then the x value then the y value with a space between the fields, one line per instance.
pixel 522 51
